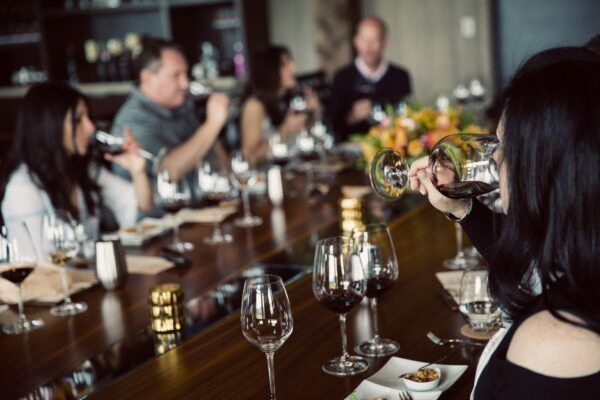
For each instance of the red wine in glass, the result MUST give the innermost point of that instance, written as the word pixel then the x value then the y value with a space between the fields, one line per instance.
pixel 17 273
pixel 340 301
pixel 173 206
pixel 376 286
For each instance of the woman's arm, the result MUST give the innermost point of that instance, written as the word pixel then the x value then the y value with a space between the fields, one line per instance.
pixel 253 119
pixel 135 164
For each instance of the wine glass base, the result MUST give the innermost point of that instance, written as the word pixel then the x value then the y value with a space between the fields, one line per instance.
pixel 248 222
pixel 181 247
pixel 383 348
pixel 67 309
pixel 20 327
pixel 218 239
pixel 460 263
pixel 352 365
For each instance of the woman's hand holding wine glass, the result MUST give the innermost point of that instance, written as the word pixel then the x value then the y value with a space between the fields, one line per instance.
pixel 129 158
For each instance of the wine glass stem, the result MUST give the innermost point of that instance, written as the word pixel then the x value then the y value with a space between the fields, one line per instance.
pixel 373 303
pixel 271 368
pixel 310 177
pixel 217 229
pixel 176 239
pixel 246 202
pixel 21 312
pixel 65 284
pixel 459 239
pixel 344 339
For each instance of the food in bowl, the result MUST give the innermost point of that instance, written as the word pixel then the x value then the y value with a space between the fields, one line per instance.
pixel 423 375
pixel 422 379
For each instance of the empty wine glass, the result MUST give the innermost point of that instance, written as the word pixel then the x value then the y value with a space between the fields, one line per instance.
pixel 461 260
pixel 339 283
pixel 60 243
pixel 460 166
pixel 215 187
pixel 266 317
pixel 476 304
pixel 242 176
pixel 376 250
pixel 18 258
pixel 377 113
pixel 172 197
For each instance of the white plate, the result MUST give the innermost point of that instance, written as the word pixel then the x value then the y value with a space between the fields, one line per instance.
pixel 388 375
pixel 369 390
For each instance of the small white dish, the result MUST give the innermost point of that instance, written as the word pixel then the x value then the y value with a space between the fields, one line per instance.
pixel 422 386
pixel 369 390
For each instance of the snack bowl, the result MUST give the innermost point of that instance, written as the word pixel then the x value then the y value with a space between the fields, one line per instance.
pixel 422 379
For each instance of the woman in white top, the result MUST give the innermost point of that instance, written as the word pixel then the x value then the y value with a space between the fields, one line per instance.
pixel 265 110
pixel 49 166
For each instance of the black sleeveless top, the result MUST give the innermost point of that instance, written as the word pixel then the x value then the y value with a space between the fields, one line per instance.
pixel 501 379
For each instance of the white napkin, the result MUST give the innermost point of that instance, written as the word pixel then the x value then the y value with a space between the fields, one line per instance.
pixel 44 284
pixel 208 215
pixel 147 265
pixel 450 280
pixel 355 192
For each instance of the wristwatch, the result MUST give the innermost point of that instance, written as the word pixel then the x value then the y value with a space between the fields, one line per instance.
pixel 453 218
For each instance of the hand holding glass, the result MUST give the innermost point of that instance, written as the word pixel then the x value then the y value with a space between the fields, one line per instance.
pixel 460 166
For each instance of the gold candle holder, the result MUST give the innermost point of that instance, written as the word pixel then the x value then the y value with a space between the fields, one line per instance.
pixel 167 312
pixel 351 215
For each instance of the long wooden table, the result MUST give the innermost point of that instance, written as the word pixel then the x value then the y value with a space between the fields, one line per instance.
pixel 218 362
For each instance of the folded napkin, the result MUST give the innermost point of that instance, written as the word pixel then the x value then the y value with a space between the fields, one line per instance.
pixel 147 265
pixel 450 281
pixel 208 215
pixel 44 284
pixel 355 192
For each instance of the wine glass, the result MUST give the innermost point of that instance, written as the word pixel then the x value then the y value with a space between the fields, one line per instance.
pixel 172 197
pixel 377 113
pixel 61 244
pixel 215 186
pixel 266 317
pixel 476 304
pixel 18 258
pixel 308 152
pixel 460 166
pixel 339 283
pixel 298 104
pixel 243 175
pixel 461 260
pixel 376 250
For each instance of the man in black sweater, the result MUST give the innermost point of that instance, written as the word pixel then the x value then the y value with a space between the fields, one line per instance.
pixel 369 80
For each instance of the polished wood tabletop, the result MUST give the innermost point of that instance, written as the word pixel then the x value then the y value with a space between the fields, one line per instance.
pixel 218 362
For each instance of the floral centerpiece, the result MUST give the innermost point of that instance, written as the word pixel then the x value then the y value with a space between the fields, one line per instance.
pixel 415 130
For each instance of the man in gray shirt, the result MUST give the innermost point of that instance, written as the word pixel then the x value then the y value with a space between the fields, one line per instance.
pixel 161 115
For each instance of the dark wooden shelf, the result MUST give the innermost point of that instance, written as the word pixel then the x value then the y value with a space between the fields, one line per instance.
pixel 102 10
pixel 19 40
pixel 184 3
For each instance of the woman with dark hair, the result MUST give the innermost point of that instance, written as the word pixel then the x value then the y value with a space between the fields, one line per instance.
pixel 265 110
pixel 545 263
pixel 50 167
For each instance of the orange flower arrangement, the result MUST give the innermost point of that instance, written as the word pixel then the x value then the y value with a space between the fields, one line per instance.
pixel 415 132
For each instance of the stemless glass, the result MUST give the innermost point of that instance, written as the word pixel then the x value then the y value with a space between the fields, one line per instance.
pixel 215 187
pixel 18 258
pixel 172 197
pixel 460 166
pixel 61 244
pixel 376 250
pixel 476 304
pixel 266 317
pixel 242 176
pixel 339 283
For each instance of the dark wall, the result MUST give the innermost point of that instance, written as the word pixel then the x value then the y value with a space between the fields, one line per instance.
pixel 526 27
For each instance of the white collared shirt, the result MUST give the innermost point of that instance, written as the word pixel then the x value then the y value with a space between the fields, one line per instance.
pixel 373 76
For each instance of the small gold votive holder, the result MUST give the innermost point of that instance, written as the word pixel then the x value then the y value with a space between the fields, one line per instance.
pixel 167 313
pixel 351 215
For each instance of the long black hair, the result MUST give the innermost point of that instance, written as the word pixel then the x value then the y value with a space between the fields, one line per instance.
pixel 551 125
pixel 265 81
pixel 38 143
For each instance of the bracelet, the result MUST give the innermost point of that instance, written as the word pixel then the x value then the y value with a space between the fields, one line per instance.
pixel 453 218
